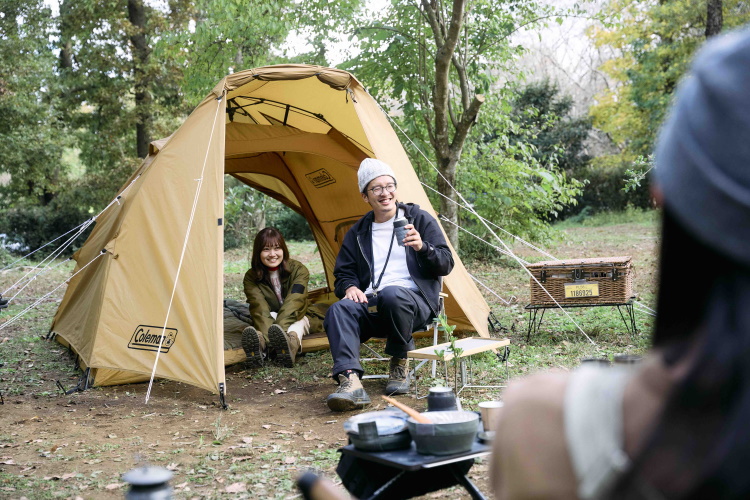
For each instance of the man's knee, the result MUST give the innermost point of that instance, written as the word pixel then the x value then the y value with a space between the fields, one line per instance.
pixel 341 309
pixel 393 295
pixel 395 298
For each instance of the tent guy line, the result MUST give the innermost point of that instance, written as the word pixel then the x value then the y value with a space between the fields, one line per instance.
pixel 81 228
pixel 219 102
pixel 41 272
pixel 40 300
pixel 500 250
pixel 10 266
pixel 518 238
pixel 44 264
pixel 513 298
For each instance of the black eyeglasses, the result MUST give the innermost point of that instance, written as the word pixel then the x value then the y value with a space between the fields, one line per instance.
pixel 378 190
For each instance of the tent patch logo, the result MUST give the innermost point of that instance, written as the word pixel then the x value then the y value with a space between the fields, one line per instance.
pixel 148 338
pixel 320 178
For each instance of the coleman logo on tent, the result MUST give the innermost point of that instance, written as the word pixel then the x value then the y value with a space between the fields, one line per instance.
pixel 320 178
pixel 148 338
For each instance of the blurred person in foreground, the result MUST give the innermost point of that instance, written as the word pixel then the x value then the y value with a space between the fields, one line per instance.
pixel 677 425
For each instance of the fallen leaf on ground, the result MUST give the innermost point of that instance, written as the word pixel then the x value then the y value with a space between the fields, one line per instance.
pixel 279 391
pixel 114 486
pixel 236 488
pixel 7 461
pixel 242 459
pixel 172 466
pixel 247 440
pixel 266 426
pixel 68 475
pixel 290 460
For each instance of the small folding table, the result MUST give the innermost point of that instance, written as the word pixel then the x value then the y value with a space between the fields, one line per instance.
pixel 406 473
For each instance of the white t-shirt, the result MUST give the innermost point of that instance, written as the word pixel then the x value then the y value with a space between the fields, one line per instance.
pixel 396 271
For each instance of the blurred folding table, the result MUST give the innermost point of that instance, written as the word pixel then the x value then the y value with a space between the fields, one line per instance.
pixel 406 473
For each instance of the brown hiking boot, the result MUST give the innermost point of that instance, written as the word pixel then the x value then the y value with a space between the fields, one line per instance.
pixel 350 395
pixel 286 344
pixel 398 376
pixel 254 345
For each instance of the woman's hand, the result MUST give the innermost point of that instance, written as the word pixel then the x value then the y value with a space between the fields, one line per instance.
pixel 355 294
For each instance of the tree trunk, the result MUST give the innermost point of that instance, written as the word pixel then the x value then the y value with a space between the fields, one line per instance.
pixel 66 46
pixel 141 78
pixel 714 18
pixel 448 207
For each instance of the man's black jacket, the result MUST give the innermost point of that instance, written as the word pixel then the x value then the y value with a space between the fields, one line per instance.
pixel 354 261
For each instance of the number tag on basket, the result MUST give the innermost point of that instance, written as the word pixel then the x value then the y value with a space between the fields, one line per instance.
pixel 581 290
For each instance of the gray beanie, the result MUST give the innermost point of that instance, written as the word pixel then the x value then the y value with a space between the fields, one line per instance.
pixel 703 152
pixel 369 169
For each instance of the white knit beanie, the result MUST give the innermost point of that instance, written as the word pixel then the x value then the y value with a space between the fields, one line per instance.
pixel 370 169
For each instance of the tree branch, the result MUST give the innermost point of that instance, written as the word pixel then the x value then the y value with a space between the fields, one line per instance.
pixel 468 119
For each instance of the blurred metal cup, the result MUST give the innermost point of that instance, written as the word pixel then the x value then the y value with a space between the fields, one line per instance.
pixel 441 399
pixel 490 411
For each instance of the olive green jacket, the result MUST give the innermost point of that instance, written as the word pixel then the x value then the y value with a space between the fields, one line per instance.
pixel 263 301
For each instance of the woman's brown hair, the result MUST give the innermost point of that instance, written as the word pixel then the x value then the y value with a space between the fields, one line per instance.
pixel 268 237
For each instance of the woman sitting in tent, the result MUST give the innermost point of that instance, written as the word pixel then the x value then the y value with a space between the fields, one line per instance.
pixel 276 290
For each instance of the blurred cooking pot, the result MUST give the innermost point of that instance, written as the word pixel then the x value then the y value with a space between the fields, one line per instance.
pixel 449 433
pixel 378 430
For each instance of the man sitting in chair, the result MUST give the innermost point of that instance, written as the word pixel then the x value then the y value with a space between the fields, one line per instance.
pixel 388 288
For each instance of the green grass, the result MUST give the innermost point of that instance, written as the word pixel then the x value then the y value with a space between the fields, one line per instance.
pixel 630 216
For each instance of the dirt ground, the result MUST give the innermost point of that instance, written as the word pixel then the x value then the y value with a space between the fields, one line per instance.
pixel 79 445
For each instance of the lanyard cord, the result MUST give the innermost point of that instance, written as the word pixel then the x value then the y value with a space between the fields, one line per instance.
pixel 385 264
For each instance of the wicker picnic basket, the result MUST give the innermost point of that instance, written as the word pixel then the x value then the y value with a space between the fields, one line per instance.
pixel 603 280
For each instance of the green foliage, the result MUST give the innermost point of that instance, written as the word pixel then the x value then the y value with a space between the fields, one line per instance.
pixel 292 225
pixel 455 361
pixel 636 175
pixel 507 184
pixel 244 214
pixel 654 43
pixel 247 211
pixel 31 227
pixel 544 121
pixel 631 215
pixel 498 171
pixel 31 142
pixel 605 190
pixel 229 36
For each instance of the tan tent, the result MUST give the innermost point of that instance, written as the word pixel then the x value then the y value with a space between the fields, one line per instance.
pixel 294 132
